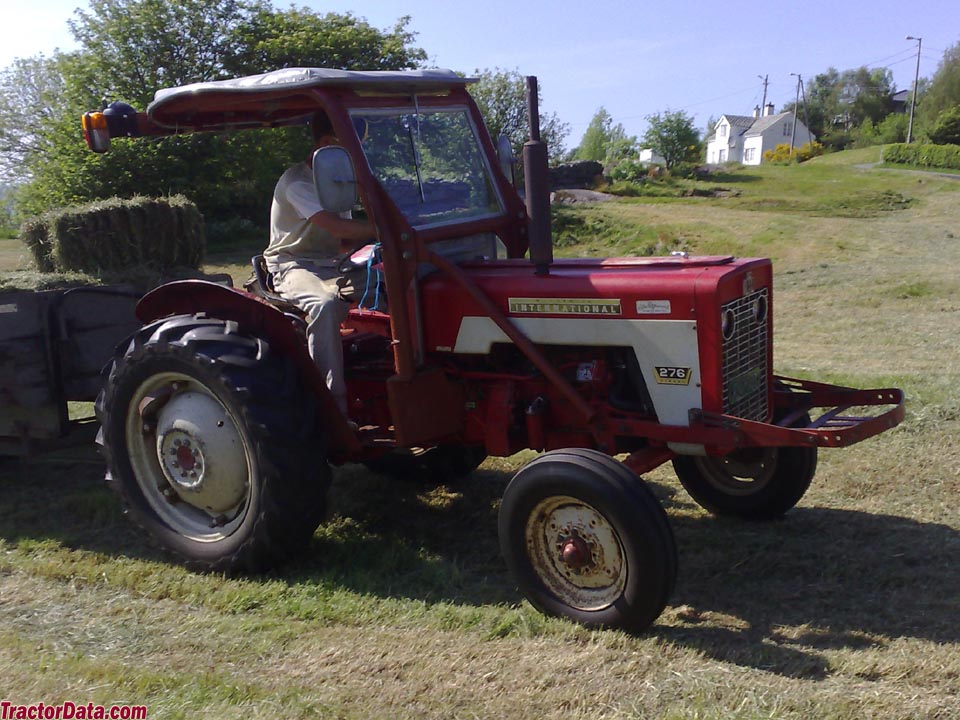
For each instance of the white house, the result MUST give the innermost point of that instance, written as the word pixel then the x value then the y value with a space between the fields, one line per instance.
pixel 744 139
pixel 648 157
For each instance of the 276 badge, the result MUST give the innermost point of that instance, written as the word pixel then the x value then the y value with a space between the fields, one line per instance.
pixel 673 375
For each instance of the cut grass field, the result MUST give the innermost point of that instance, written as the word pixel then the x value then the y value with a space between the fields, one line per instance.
pixel 847 608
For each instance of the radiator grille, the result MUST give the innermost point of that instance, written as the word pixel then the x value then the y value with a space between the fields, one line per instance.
pixel 745 368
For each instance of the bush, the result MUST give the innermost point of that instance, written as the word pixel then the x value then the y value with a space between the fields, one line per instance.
pixel 630 170
pixel 625 188
pixel 893 129
pixel 116 236
pixel 783 153
pixel 924 155
pixel 686 170
pixel 947 129
pixel 837 140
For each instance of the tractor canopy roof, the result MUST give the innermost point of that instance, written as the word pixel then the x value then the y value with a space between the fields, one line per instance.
pixel 279 97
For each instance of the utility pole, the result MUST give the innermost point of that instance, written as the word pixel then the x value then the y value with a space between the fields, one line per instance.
pixel 796 104
pixel 916 80
pixel 763 105
pixel 806 118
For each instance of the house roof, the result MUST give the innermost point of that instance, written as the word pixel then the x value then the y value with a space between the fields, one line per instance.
pixel 763 123
pixel 740 121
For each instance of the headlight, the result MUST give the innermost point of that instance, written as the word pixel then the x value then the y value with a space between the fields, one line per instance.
pixel 728 324
pixel 759 309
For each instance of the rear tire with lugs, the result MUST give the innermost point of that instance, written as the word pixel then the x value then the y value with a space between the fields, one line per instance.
pixel 212 443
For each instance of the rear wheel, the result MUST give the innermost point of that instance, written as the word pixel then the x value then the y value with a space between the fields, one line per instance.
pixel 586 539
pixel 212 444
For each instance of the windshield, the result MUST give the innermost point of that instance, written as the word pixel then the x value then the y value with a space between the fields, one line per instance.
pixel 429 162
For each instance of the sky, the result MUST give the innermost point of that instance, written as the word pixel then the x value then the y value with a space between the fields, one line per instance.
pixel 634 58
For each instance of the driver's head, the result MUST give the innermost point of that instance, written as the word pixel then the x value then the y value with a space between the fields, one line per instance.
pixel 322 130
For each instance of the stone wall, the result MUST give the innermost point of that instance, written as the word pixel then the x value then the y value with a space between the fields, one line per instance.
pixel 582 174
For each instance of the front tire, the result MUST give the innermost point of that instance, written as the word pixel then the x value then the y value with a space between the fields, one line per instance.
pixel 212 444
pixel 586 539
pixel 752 484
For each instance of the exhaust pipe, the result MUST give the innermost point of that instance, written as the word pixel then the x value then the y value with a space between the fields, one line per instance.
pixel 537 186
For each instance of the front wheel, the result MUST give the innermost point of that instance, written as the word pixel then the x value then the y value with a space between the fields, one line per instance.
pixel 211 443
pixel 753 484
pixel 586 539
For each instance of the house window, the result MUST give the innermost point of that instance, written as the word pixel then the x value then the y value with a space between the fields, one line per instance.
pixel 723 130
pixel 748 154
pixel 787 129
pixel 723 156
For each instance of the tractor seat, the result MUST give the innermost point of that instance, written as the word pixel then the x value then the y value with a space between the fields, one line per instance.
pixel 260 283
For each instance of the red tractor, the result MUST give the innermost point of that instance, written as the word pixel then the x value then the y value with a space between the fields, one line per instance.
pixel 219 431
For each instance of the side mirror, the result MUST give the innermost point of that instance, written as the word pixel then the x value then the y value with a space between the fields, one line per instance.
pixel 505 156
pixel 335 179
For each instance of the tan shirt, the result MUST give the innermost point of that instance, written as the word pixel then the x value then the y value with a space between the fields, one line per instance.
pixel 291 232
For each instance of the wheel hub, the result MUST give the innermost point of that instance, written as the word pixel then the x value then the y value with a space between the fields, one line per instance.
pixel 201 452
pixel 576 552
pixel 188 459
pixel 182 460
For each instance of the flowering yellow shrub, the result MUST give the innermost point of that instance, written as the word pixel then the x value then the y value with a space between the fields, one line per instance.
pixel 782 153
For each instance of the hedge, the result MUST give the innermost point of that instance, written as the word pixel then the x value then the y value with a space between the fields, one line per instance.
pixel 923 155
pixel 117 236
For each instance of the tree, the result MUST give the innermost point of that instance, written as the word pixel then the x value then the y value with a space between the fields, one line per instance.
pixel 501 96
pixel 605 142
pixel 711 126
pixel 139 46
pixel 32 96
pixel 131 49
pixel 672 136
pixel 301 38
pixel 892 129
pixel 947 129
pixel 943 92
pixel 838 102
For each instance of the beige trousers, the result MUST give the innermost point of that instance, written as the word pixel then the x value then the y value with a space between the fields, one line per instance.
pixel 313 287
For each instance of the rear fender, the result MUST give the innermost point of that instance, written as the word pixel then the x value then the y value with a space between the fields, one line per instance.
pixel 189 297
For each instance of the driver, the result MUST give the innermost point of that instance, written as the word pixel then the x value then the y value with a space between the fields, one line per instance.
pixel 305 244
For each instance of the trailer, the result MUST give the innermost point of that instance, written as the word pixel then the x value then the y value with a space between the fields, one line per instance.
pixel 53 346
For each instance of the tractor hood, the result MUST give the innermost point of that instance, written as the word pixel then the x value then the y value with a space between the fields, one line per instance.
pixel 660 288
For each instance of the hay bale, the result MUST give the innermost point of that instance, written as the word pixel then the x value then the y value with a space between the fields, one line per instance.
pixel 20 280
pixel 35 236
pixel 116 236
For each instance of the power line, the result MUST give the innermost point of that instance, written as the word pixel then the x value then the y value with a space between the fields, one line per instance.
pixel 909 51
pixel 722 97
pixel 907 59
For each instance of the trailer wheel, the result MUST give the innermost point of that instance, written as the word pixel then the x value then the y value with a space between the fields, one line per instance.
pixel 212 444
pixel 586 539
pixel 753 484
pixel 435 464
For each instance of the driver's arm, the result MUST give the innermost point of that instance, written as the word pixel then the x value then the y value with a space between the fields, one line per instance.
pixel 351 233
